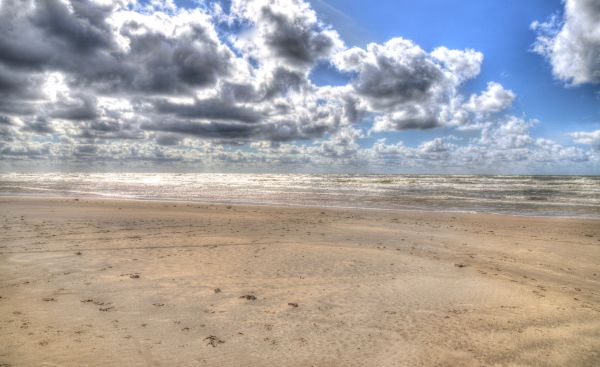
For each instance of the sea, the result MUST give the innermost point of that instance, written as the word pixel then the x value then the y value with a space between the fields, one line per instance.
pixel 569 196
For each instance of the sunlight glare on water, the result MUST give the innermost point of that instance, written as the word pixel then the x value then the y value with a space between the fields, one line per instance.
pixel 526 195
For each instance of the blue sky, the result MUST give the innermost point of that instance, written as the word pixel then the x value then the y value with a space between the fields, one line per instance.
pixel 500 29
pixel 431 86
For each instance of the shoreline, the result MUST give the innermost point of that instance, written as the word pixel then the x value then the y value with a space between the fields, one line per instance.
pixel 299 206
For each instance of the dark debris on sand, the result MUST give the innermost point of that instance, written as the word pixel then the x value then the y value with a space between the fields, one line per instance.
pixel 213 340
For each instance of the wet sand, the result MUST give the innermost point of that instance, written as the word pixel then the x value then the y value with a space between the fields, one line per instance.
pixel 132 283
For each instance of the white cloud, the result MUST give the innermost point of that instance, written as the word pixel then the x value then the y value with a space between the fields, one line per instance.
pixel 591 138
pixel 572 43
pixel 509 134
pixel 409 88
pixel 494 99
pixel 461 65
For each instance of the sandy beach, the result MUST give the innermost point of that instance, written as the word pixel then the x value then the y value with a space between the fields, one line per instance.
pixel 137 283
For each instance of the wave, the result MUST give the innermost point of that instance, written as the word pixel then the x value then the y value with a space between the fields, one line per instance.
pixel 527 195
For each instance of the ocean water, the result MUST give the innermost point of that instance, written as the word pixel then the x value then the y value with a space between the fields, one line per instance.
pixel 573 196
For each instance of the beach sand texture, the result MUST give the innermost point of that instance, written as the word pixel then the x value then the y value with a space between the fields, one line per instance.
pixel 139 283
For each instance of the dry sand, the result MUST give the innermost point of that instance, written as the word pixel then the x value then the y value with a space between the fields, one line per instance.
pixel 132 283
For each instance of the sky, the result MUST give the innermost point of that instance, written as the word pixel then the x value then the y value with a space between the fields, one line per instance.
pixel 395 86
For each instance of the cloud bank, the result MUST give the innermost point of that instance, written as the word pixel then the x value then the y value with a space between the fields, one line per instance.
pixel 122 82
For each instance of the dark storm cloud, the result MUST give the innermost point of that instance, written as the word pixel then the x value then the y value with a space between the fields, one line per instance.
pixel 6 133
pixel 283 80
pixel 276 131
pixel 104 126
pixel 393 74
pixel 351 110
pixel 109 129
pixel 74 38
pixel 211 109
pixel 286 31
pixel 239 92
pixel 82 27
pixel 205 130
pixel 86 149
pixel 161 64
pixel 38 125
pixel 16 107
pixel 387 83
pixel 19 40
pixel 19 91
pixel 82 109
pixel 409 122
pixel 294 41
pixel 16 84
pixel 198 66
pixel 43 36
pixel 47 34
pixel 77 40
pixel 156 63
pixel 168 139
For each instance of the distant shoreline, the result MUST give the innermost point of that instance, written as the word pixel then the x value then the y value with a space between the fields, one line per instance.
pixel 294 173
pixel 284 206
